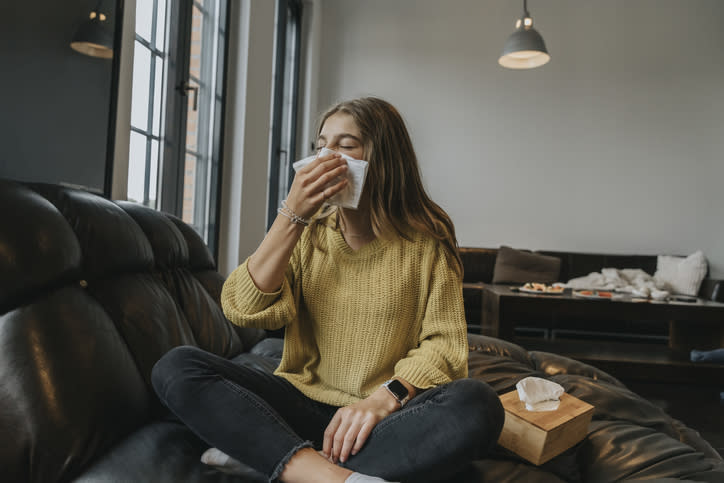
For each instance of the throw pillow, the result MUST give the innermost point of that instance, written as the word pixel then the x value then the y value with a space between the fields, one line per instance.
pixel 681 275
pixel 518 266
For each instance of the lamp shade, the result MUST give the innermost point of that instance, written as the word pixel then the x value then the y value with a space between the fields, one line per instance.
pixel 524 49
pixel 94 38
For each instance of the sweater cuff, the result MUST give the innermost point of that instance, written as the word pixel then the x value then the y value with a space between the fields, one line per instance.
pixel 419 376
pixel 240 285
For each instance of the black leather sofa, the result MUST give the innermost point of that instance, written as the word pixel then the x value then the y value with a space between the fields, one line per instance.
pixel 93 292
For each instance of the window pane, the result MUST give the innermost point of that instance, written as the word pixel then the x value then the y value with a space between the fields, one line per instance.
pixel 136 167
pixel 144 18
pixel 189 188
pixel 141 84
pixel 196 40
pixel 153 175
pixel 158 95
pixel 161 26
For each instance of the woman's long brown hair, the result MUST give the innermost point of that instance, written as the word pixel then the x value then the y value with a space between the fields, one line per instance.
pixel 398 201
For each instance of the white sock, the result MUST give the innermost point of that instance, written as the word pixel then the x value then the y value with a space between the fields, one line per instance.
pixel 360 478
pixel 222 462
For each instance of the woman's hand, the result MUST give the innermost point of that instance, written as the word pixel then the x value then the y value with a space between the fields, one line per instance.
pixel 308 190
pixel 351 425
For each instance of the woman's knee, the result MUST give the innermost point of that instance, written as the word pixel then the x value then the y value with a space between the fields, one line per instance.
pixel 171 365
pixel 480 405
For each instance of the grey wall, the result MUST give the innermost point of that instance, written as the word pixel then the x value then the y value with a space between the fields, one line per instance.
pixel 616 145
pixel 247 138
pixel 55 101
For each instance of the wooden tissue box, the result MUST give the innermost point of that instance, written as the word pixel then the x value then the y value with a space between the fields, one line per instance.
pixel 539 436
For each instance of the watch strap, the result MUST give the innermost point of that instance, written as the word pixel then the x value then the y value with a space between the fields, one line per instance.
pixel 398 391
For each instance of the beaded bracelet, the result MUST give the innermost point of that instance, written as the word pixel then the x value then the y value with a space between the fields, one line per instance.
pixel 293 217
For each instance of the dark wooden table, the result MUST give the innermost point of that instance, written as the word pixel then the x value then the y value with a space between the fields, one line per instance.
pixel 698 325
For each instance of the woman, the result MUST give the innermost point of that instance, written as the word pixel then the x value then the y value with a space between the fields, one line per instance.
pixel 372 379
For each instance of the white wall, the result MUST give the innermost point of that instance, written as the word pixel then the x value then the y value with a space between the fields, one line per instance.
pixel 246 138
pixel 119 188
pixel 616 145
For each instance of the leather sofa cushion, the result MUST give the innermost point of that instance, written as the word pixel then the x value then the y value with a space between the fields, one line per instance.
pixel 34 255
pixel 629 437
pixel 163 451
pixel 70 388
pixel 518 266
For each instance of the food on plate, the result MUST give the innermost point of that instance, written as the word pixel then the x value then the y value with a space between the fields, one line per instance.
pixel 594 294
pixel 542 288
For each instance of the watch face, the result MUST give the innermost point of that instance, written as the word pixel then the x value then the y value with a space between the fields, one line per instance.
pixel 398 389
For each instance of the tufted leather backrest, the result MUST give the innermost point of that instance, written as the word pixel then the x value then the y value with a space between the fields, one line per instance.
pixel 92 294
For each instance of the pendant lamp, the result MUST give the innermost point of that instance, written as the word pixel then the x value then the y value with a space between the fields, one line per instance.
pixel 94 37
pixel 525 48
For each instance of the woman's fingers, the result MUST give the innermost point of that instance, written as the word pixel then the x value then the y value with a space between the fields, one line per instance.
pixel 329 434
pixel 311 185
pixel 339 436
pixel 331 160
pixel 362 436
pixel 348 440
pixel 348 431
pixel 328 176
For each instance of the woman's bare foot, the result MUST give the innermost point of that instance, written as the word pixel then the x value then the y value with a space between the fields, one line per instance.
pixel 309 466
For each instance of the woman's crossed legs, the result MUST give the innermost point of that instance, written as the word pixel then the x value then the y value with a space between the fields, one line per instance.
pixel 263 421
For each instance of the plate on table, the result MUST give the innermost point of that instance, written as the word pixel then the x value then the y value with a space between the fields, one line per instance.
pixel 593 294
pixel 541 289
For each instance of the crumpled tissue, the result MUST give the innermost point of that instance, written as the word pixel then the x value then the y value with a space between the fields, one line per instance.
pixel 356 174
pixel 539 394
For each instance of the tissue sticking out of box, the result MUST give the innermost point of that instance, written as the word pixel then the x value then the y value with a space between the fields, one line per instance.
pixel 539 394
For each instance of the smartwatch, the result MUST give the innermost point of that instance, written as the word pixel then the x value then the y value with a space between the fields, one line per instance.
pixel 398 390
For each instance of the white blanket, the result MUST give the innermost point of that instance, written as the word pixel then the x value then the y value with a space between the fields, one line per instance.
pixel 628 280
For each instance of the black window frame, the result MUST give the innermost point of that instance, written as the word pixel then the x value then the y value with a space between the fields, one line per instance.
pixel 152 46
pixel 281 173
pixel 171 138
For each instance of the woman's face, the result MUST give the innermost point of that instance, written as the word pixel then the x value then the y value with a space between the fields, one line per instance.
pixel 340 133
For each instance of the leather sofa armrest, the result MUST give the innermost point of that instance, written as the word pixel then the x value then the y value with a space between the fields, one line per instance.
pixel 712 289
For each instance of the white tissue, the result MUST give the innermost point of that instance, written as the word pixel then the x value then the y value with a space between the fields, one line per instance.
pixel 539 394
pixel 356 174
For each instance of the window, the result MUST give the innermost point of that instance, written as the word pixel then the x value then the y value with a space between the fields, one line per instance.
pixel 148 91
pixel 177 110
pixel 286 87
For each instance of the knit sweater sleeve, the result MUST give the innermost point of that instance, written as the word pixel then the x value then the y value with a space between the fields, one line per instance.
pixel 441 355
pixel 247 306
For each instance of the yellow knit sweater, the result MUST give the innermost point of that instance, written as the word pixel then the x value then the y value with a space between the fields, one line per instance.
pixel 357 318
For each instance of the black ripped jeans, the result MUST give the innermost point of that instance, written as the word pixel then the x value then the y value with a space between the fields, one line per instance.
pixel 262 420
